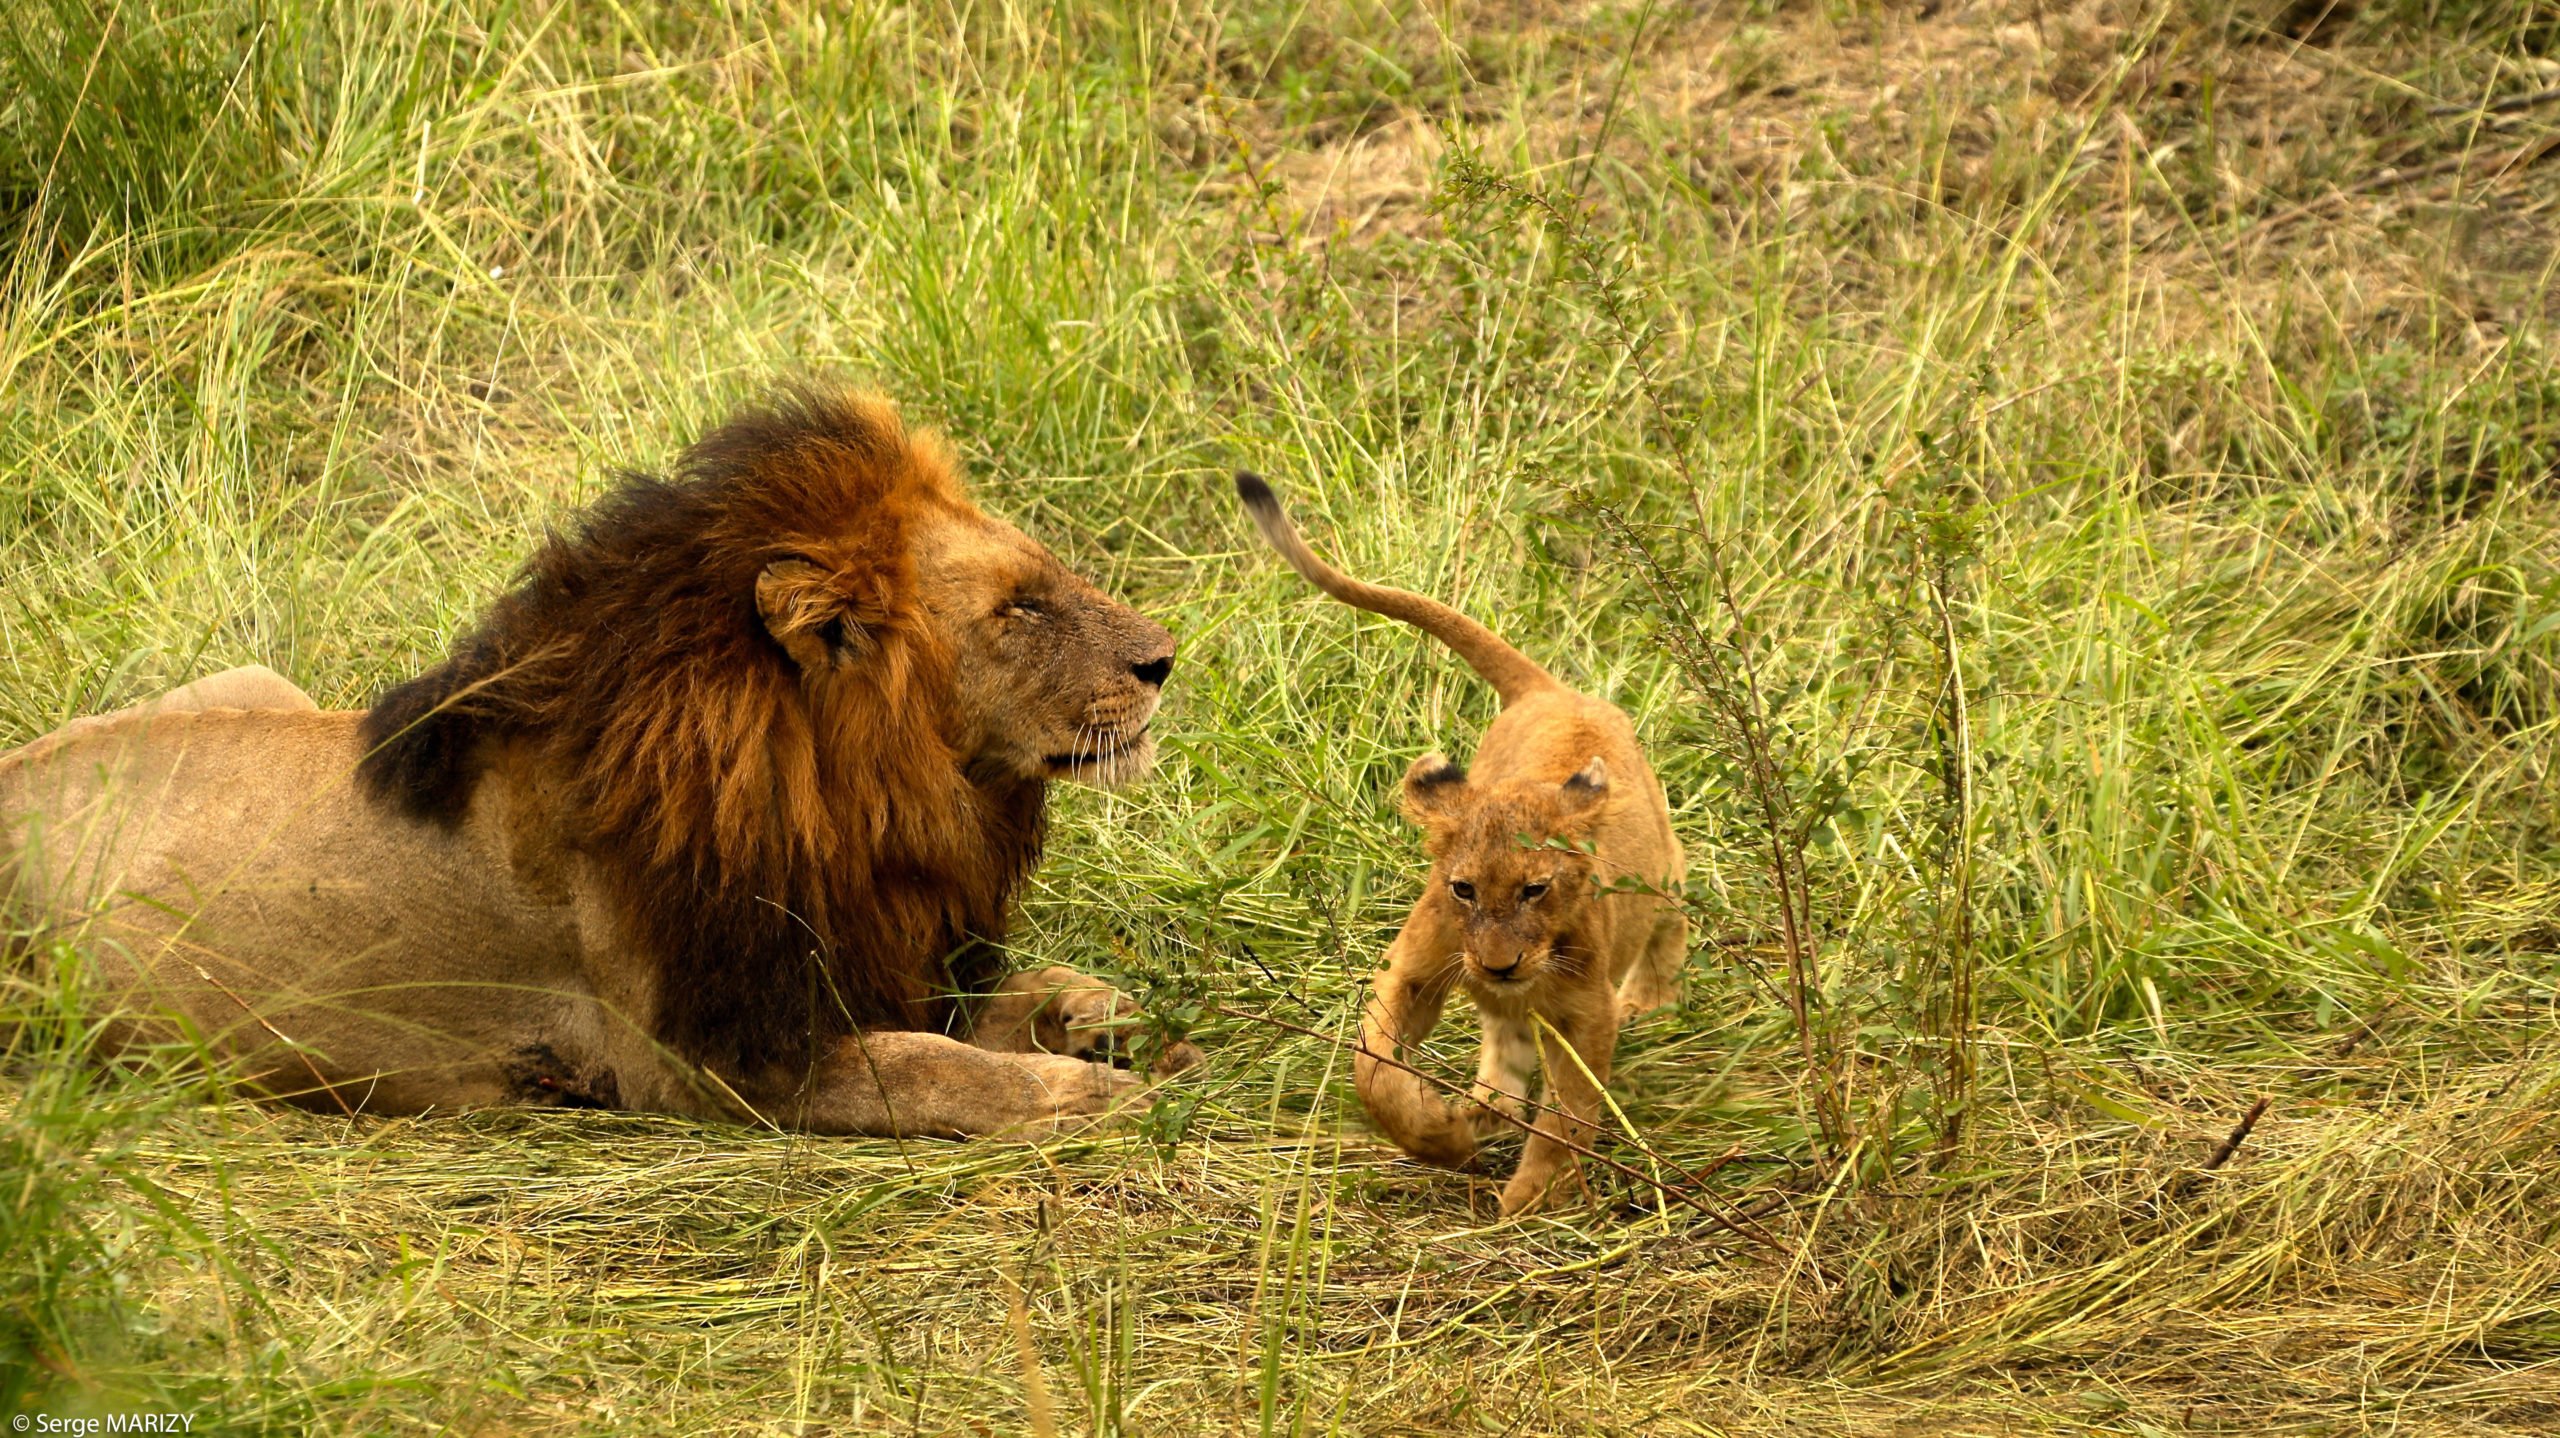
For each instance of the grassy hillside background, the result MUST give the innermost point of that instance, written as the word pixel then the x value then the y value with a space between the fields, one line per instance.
pixel 2118 437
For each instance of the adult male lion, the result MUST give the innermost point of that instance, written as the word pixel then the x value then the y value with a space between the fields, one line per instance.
pixel 715 812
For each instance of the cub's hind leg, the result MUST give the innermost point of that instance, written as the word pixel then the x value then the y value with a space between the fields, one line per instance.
pixel 251 686
pixel 1653 980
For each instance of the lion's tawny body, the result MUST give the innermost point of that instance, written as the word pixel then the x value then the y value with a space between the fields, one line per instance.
pixel 222 871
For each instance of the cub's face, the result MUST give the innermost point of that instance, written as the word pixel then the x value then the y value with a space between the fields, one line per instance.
pixel 1053 678
pixel 1502 867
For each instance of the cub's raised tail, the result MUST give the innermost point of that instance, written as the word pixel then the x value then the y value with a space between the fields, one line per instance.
pixel 1511 673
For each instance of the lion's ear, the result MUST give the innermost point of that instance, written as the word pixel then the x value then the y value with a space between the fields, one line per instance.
pixel 1582 793
pixel 1434 789
pixel 808 615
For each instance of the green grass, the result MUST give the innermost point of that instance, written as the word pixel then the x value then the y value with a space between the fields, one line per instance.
pixel 2176 374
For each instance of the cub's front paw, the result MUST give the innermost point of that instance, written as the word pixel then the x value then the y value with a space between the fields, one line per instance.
pixel 1635 1005
pixel 1492 1111
pixel 1535 1187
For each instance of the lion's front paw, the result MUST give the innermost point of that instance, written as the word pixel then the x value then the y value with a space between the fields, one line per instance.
pixel 1100 1024
pixel 1178 1056
pixel 1096 1022
pixel 1056 1010
pixel 1072 1094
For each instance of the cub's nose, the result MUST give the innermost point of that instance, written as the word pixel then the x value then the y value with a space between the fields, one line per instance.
pixel 1503 972
pixel 1154 671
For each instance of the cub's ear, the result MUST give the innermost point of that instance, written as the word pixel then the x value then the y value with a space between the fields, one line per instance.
pixel 1584 790
pixel 808 615
pixel 1434 788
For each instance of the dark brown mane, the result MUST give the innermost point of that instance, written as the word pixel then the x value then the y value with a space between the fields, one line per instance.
pixel 794 857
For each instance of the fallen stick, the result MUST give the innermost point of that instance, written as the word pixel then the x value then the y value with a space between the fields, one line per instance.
pixel 2506 106
pixel 2239 1135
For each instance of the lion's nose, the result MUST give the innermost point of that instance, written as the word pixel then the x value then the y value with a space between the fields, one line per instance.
pixel 1503 971
pixel 1154 672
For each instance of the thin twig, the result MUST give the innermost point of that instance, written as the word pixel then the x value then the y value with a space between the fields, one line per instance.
pixel 2366 1028
pixel 261 1021
pixel 1956 873
pixel 1724 671
pixel 1733 687
pixel 2239 1135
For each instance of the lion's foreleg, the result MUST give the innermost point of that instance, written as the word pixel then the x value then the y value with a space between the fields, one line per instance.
pixel 919 1085
pixel 1405 1002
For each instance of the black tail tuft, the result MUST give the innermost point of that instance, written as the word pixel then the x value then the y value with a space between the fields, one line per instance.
pixel 1254 491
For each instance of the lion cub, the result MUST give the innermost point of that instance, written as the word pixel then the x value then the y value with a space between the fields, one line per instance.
pixel 1518 909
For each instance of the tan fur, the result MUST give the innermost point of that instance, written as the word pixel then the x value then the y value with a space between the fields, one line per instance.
pixel 353 944
pixel 1554 971
pixel 251 686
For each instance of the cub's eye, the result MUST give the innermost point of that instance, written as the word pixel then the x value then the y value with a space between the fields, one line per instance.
pixel 1465 891
pixel 1532 889
pixel 1022 608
